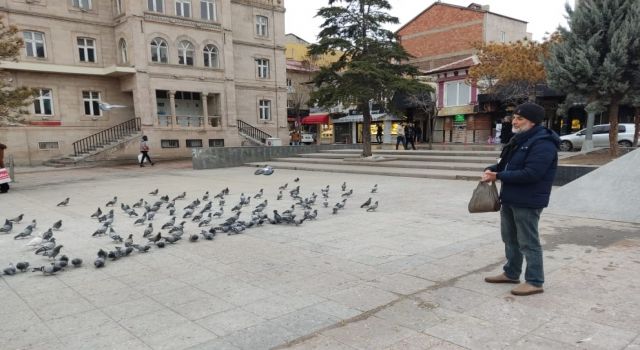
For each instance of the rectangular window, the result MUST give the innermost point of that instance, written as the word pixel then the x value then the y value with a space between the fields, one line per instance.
pixel 42 103
pixel 194 143
pixel 456 93
pixel 208 10
pixel 183 8
pixel 169 143
pixel 82 4
pixel 263 68
pixel 262 26
pixel 216 142
pixel 155 5
pixel 264 109
pixel 48 145
pixel 34 44
pixel 91 101
pixel 118 4
pixel 87 49
pixel 503 37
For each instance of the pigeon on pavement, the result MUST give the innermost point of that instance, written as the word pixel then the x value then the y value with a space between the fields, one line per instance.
pixel 64 203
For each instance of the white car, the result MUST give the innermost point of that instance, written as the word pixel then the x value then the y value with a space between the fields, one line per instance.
pixel 600 137
pixel 306 139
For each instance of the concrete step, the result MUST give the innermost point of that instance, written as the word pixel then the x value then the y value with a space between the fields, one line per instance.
pixel 388 164
pixel 406 157
pixel 419 152
pixel 373 170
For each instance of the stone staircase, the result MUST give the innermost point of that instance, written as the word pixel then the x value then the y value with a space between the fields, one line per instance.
pixel 452 164
pixel 106 140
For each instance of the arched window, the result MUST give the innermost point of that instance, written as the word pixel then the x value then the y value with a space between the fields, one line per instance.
pixel 210 56
pixel 159 50
pixel 124 56
pixel 185 53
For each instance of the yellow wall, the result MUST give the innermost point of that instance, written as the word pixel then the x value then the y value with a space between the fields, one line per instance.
pixel 298 52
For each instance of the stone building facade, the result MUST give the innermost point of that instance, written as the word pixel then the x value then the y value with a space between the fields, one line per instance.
pixel 188 69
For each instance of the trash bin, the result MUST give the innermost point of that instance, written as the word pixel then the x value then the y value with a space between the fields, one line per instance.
pixel 274 141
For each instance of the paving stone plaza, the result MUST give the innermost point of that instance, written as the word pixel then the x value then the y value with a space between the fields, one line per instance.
pixel 406 276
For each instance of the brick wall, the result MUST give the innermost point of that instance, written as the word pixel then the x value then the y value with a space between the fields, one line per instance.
pixel 441 33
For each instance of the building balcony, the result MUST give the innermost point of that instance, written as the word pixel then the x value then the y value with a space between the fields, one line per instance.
pixel 188 121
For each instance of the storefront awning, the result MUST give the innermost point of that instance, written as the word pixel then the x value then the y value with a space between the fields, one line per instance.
pixel 357 118
pixel 316 119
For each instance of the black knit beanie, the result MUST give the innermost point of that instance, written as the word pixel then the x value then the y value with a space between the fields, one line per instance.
pixel 530 111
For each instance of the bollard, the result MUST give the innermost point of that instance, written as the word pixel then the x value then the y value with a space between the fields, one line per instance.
pixel 11 168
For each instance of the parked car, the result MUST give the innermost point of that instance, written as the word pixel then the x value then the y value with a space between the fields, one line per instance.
pixel 307 139
pixel 600 137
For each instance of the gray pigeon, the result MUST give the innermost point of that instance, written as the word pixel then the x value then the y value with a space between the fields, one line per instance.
pixel 76 262
pixel 10 271
pixel 17 219
pixel 374 189
pixel 112 202
pixel 56 225
pixel 7 227
pixel 22 266
pixel 154 192
pixel 53 252
pixel 373 206
pixel 148 231
pixel 64 203
pixel 366 203
pixel 97 214
pixel 47 270
pixel 25 233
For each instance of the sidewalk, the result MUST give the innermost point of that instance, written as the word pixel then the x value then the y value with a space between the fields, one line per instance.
pixel 408 276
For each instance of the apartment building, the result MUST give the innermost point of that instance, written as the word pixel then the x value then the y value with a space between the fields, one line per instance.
pixel 188 71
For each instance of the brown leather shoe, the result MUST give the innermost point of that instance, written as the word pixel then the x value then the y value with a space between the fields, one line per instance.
pixel 501 278
pixel 526 289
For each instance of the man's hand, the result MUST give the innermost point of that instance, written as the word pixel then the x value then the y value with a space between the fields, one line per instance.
pixel 489 176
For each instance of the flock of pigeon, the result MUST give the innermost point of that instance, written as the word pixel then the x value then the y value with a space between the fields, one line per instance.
pixel 200 212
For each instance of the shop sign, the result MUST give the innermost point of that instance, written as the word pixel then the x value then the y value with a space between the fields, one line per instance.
pixel 458 118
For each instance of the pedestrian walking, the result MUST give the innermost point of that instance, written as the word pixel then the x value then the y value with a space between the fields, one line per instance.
pixel 379 133
pixel 526 169
pixel 144 149
pixel 295 138
pixel 418 132
pixel 409 136
pixel 400 136
pixel 4 188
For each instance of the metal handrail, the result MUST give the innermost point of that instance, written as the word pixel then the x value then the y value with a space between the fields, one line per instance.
pixel 114 133
pixel 252 131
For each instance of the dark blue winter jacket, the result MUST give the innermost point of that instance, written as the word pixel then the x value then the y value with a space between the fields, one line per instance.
pixel 527 168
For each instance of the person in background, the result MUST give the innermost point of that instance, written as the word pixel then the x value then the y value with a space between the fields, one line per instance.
pixel 506 134
pixel 379 133
pixel 409 136
pixel 295 137
pixel 418 132
pixel 144 149
pixel 526 169
pixel 400 138
pixel 4 188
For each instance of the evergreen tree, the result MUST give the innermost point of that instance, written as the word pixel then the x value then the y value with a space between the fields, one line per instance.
pixel 598 57
pixel 370 66
pixel 11 98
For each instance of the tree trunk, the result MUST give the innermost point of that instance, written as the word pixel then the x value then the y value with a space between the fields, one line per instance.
pixel 366 129
pixel 637 128
pixel 613 127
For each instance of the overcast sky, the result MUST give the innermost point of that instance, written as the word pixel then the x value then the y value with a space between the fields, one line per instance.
pixel 542 15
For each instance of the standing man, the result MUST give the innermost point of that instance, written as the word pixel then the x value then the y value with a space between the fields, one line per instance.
pixel 400 136
pixel 378 133
pixel 526 168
